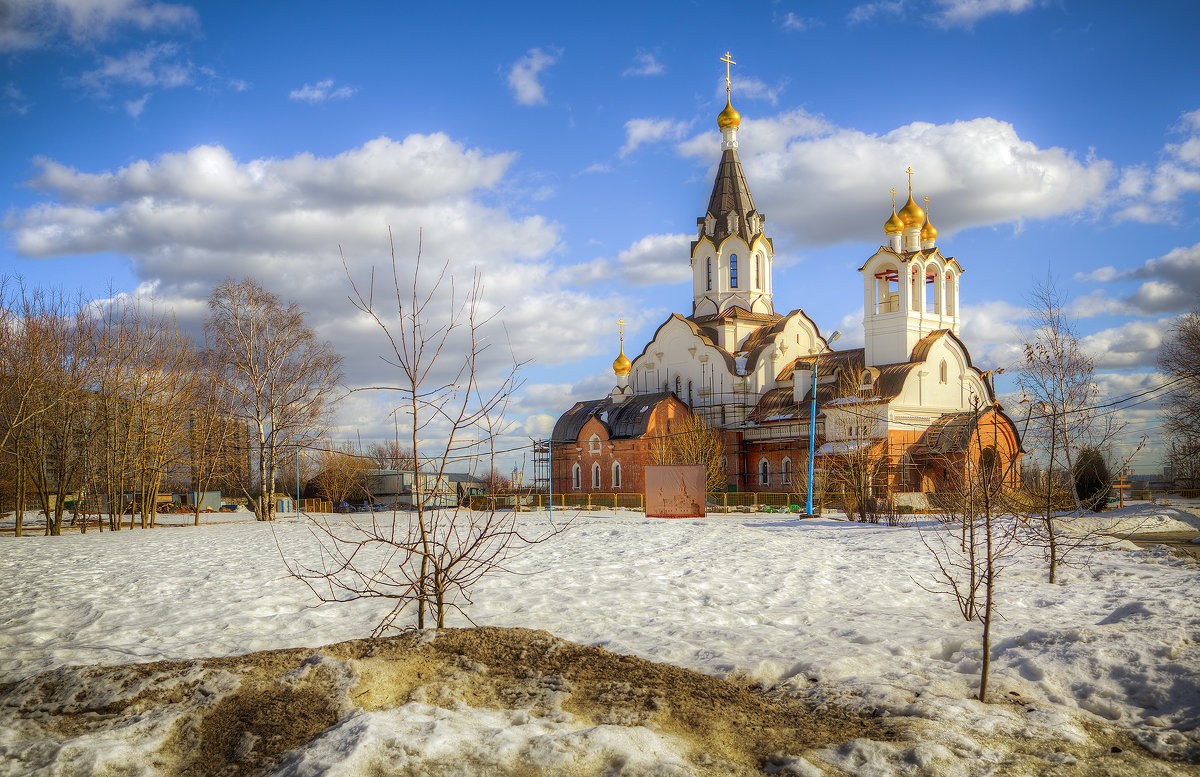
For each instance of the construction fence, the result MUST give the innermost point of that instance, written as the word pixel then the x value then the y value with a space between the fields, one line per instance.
pixel 737 502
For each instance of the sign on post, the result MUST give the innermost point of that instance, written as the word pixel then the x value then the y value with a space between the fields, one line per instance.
pixel 675 491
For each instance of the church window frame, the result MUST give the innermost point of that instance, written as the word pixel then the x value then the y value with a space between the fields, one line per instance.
pixel 708 273
pixel 733 279
pixel 689 394
pixel 678 386
pixel 594 444
pixel 764 472
pixel 596 476
pixel 616 474
pixel 943 372
pixel 576 476
pixel 785 470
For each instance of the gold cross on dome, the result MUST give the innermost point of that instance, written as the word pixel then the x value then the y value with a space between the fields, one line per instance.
pixel 621 324
pixel 910 175
pixel 728 61
pixel 893 198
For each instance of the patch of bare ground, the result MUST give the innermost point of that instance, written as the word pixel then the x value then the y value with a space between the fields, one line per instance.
pixel 241 715
pixel 1181 543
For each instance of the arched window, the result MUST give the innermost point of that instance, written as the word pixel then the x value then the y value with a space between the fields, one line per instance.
pixel 758 271
pixel 785 470
pixel 764 472
pixel 689 393
pixel 942 370
pixel 576 476
pixel 733 271
pixel 596 475
pixel 708 276
pixel 678 387
pixel 616 474
pixel 594 444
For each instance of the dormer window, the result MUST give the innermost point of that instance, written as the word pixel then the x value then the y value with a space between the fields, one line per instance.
pixel 732 223
pixel 710 226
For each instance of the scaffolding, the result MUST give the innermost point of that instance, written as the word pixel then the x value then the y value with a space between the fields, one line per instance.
pixel 541 466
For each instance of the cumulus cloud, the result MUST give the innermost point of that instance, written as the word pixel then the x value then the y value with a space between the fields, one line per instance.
pixel 187 220
pixel 1151 193
pixel 749 88
pixel 31 24
pixel 652 259
pixel 321 91
pixel 1132 344
pixel 523 76
pixel 1170 283
pixel 645 64
pixel 977 172
pixel 639 132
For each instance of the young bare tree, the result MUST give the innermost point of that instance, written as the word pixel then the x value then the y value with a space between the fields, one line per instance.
pixel 977 533
pixel 1058 381
pixel 1179 357
pixel 692 441
pixel 213 439
pixel 284 380
pixel 433 557
pixel 854 461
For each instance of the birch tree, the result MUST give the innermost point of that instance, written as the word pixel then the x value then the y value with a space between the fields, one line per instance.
pixel 282 378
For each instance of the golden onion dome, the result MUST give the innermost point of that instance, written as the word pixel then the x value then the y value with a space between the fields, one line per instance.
pixel 929 231
pixel 893 225
pixel 622 365
pixel 729 117
pixel 911 214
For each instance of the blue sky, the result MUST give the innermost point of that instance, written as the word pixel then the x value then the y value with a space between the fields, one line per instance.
pixel 566 151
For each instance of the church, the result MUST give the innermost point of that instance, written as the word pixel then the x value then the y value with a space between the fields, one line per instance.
pixel 910 404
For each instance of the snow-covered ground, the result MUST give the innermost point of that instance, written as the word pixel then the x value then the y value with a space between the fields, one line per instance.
pixel 833 610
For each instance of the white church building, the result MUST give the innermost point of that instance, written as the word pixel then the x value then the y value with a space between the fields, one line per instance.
pixel 911 397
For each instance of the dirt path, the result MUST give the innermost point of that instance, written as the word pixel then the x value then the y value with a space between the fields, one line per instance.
pixel 1178 541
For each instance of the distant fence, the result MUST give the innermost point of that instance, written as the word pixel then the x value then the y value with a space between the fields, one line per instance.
pixel 743 501
pixel 316 506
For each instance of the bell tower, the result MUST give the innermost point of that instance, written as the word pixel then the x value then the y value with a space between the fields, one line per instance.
pixel 731 255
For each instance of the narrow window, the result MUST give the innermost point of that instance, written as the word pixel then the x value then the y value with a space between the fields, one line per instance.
pixel 733 271
pixel 758 271
pixel 942 372
pixel 708 279
pixel 575 477
pixel 764 472
pixel 594 444
pixel 616 474
pixel 596 475
pixel 786 472
pixel 689 393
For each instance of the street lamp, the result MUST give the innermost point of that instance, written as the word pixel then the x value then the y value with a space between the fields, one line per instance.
pixel 812 422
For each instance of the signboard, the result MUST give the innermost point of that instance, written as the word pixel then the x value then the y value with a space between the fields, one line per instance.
pixel 675 491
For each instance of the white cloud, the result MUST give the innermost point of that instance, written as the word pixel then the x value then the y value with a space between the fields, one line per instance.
pixel 1151 193
pixel 645 64
pixel 650 260
pixel 187 220
pixel 639 132
pixel 13 100
pixel 749 88
pixel 964 13
pixel 977 172
pixel 945 13
pixel 135 107
pixel 1132 344
pixel 1170 283
pixel 30 24
pixel 157 65
pixel 524 74
pixel 321 91
pixel 795 23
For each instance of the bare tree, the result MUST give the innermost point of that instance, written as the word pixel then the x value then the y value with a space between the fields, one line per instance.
pixel 854 462
pixel 1057 379
pixel 433 557
pixel 977 532
pixel 1179 357
pixel 341 470
pixel 692 441
pixel 390 454
pixel 283 379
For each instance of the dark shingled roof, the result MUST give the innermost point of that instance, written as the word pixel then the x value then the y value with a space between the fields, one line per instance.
pixel 730 194
pixel 626 420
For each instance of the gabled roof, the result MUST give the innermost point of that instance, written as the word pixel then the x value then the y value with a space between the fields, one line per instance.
pixel 627 420
pixel 907 256
pixel 706 336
